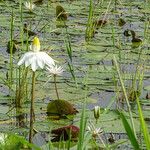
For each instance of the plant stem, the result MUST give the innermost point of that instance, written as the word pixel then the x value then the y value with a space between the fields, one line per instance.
pixel 125 94
pixel 11 44
pixel 32 108
pixel 56 87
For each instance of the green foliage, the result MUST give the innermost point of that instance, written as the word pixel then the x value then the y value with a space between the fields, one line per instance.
pixel 129 131
pixel 15 142
pixel 89 33
pixel 83 122
pixel 145 130
pixel 97 56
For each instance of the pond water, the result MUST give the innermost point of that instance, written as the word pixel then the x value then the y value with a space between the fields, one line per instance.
pixel 94 75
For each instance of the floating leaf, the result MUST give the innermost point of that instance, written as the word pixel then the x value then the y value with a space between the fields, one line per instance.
pixel 61 108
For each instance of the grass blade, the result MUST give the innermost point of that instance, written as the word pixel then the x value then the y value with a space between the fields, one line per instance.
pixel 143 126
pixel 129 131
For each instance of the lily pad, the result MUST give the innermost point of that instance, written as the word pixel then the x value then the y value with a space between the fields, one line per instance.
pixel 61 108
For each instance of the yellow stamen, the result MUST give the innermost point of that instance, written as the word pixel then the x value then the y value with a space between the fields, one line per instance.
pixel 36 41
pixel 36 44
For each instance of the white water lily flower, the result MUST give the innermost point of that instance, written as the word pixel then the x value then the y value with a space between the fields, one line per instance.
pixel 30 6
pixel 55 70
pixel 96 112
pixel 35 58
pixel 94 131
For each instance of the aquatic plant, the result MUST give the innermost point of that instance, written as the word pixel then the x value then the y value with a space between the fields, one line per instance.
pixel 96 113
pixel 55 71
pixel 36 59
pixel 61 14
pixel 94 131
pixel 96 55
pixel 29 6
pixel 16 142
pixel 61 108
pixel 126 97
pixel 136 42
pixel 90 30
pixel 65 133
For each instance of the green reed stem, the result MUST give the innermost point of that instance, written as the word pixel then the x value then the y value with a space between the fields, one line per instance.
pixel 20 9
pixel 68 45
pixel 69 52
pixel 56 89
pixel 145 129
pixel 21 81
pixel 20 89
pixel 125 94
pixel 83 122
pixel 32 108
pixel 113 36
pixel 89 27
pixel 11 49
pixel 83 118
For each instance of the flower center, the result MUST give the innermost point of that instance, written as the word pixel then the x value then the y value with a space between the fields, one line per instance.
pixel 36 44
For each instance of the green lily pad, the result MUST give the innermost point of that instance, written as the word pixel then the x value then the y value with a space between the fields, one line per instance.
pixel 61 108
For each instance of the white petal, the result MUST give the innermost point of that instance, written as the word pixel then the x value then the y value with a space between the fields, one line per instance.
pixel 29 60
pixel 34 65
pixel 40 60
pixel 21 61
pixel 25 58
pixel 47 59
pixel 40 64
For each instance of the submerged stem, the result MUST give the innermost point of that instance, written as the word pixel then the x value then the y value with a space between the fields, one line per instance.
pixel 32 108
pixel 56 87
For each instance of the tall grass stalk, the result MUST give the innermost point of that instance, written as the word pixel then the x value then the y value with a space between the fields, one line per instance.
pixel 83 119
pixel 90 27
pixel 113 36
pixel 20 88
pixel 106 12
pixel 68 45
pixel 125 94
pixel 69 52
pixel 83 122
pixel 11 49
pixel 136 72
pixel 129 131
pixel 145 130
pixel 20 83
